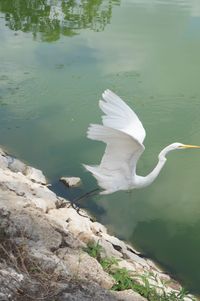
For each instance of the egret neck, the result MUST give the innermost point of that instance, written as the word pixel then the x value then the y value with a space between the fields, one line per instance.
pixel 147 180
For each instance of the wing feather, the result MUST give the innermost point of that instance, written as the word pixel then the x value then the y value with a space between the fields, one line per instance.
pixel 119 161
pixel 123 133
pixel 120 116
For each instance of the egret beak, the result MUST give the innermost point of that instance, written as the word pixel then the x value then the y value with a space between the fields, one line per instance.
pixel 189 146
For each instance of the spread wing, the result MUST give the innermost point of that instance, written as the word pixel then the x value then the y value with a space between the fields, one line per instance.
pixel 123 134
pixel 119 116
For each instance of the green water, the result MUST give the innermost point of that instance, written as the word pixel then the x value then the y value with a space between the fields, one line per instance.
pixel 57 57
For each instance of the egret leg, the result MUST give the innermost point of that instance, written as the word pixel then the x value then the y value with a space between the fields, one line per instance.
pixel 86 195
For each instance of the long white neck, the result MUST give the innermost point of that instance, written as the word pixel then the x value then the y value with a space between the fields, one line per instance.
pixel 145 181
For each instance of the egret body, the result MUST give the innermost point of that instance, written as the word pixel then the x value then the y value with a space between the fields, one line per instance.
pixel 123 133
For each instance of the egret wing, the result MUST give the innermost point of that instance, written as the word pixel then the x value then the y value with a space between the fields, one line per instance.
pixel 118 115
pixel 118 164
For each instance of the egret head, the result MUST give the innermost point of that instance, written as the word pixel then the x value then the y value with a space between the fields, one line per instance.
pixel 184 146
pixel 175 146
pixel 178 146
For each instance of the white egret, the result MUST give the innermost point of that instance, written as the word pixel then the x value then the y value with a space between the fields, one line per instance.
pixel 124 134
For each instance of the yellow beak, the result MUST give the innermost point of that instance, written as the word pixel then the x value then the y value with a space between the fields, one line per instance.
pixel 189 146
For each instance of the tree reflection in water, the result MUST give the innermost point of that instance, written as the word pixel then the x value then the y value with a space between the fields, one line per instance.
pixel 49 19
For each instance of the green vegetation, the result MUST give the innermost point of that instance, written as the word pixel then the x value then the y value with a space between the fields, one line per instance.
pixel 107 263
pixel 51 20
pixel 128 280
pixel 125 280
pixel 94 250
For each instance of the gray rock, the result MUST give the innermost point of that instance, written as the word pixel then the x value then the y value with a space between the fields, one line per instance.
pixel 10 282
pixel 73 242
pixel 128 295
pixel 84 291
pixel 71 181
pixel 52 238
pixel 128 265
pixel 35 175
pixel 3 162
pixel 48 262
pixel 98 228
pixel 2 152
pixel 108 249
pixel 32 225
pixel 69 220
pixel 83 266
pixel 16 165
pixel 36 193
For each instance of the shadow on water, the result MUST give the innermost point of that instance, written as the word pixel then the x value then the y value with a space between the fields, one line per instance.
pixel 51 19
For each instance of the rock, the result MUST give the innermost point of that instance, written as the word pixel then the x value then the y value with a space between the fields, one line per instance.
pixel 124 264
pixel 10 201
pixel 71 181
pixel 10 282
pixel 128 295
pixel 45 237
pixel 44 205
pixel 16 165
pixel 35 175
pixel 18 183
pixel 108 249
pixel 2 153
pixel 117 244
pixel 71 221
pixel 48 262
pixel 135 258
pixel 98 228
pixel 43 193
pixel 3 162
pixel 73 242
pixel 153 265
pixel 171 283
pixel 83 266
pixel 84 291
pixel 125 250
pixel 32 225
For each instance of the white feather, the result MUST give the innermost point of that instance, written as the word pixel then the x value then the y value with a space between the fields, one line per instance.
pixel 118 115
pixel 123 134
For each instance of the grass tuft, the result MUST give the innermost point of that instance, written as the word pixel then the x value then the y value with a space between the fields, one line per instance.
pixel 125 279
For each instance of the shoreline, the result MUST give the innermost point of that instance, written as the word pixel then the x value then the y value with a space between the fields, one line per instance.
pixel 61 241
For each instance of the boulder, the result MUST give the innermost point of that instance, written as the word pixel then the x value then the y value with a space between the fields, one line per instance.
pixel 10 282
pixel 16 165
pixel 3 162
pixel 83 266
pixel 128 295
pixel 71 181
pixel 35 175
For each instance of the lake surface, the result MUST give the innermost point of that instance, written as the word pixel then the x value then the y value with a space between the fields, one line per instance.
pixel 57 57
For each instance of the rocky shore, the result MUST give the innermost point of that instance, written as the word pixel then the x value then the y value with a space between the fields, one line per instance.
pixel 50 251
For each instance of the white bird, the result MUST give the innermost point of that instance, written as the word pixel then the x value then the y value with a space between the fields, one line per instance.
pixel 123 133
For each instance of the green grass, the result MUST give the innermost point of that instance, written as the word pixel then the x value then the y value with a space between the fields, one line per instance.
pixel 124 279
pixel 107 263
pixel 94 250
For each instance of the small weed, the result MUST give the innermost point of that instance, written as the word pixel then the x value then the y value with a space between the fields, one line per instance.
pixel 123 280
pixel 107 263
pixel 127 280
pixel 94 250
